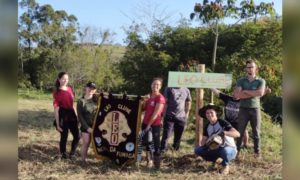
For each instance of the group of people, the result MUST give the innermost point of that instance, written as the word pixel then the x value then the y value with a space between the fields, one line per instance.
pixel 67 117
pixel 172 107
pixel 242 107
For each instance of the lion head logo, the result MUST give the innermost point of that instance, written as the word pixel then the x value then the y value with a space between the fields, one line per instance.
pixel 115 128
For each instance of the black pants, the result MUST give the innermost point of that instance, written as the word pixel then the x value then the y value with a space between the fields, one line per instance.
pixel 170 124
pixel 69 122
pixel 155 138
pixel 73 127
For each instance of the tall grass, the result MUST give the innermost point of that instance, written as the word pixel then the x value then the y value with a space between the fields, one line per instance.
pixel 34 94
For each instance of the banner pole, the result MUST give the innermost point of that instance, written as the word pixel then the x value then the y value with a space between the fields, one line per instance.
pixel 128 95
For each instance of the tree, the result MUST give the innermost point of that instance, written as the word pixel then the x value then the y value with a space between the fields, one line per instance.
pixel 249 9
pixel 180 48
pixel 50 36
pixel 102 63
pixel 44 35
pixel 211 13
pixel 27 30
pixel 140 64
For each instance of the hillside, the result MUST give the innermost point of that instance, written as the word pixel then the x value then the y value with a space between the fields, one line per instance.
pixel 117 51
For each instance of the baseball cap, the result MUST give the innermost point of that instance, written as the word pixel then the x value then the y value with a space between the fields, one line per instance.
pixel 91 85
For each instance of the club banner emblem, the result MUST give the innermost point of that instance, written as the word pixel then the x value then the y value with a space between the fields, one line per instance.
pixel 115 128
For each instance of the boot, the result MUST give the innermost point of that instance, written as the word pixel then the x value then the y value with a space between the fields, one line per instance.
pixel 157 161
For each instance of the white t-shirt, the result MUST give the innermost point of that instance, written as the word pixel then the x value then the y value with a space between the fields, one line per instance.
pixel 220 125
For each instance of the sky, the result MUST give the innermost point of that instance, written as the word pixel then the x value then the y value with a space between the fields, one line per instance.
pixel 115 15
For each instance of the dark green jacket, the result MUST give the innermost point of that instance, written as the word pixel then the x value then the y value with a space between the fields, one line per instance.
pixel 86 110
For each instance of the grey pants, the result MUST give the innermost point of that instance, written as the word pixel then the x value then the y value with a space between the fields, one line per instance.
pixel 254 116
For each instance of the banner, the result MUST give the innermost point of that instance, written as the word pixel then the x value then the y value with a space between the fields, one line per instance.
pixel 116 128
pixel 199 80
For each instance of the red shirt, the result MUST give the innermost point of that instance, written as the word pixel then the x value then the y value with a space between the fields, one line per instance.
pixel 63 98
pixel 150 107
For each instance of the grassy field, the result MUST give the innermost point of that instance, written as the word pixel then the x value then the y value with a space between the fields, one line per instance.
pixel 38 148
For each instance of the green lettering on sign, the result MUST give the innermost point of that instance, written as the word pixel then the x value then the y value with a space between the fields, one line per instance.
pixel 199 80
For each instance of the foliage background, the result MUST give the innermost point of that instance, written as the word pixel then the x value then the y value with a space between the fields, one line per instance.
pixel 52 40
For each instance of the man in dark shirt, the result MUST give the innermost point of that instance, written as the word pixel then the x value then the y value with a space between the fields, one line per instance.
pixel 178 105
pixel 231 109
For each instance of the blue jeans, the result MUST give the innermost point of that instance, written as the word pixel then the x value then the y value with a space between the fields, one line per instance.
pixel 227 153
pixel 156 138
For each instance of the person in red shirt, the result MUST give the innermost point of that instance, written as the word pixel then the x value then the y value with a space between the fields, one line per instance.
pixel 152 121
pixel 65 116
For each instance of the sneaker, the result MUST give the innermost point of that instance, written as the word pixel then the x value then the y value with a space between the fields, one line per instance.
pixel 219 160
pixel 176 147
pixel 72 157
pixel 216 164
pixel 83 163
pixel 257 156
pixel 150 164
pixel 63 156
pixel 225 170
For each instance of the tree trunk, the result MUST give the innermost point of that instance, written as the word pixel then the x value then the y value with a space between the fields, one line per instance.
pixel 214 57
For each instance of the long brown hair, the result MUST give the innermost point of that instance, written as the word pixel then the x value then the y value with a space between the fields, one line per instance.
pixel 60 75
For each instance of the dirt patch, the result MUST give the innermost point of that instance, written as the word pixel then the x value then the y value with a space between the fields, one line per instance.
pixel 38 152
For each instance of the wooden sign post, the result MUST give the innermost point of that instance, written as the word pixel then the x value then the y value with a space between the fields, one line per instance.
pixel 199 104
pixel 200 80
